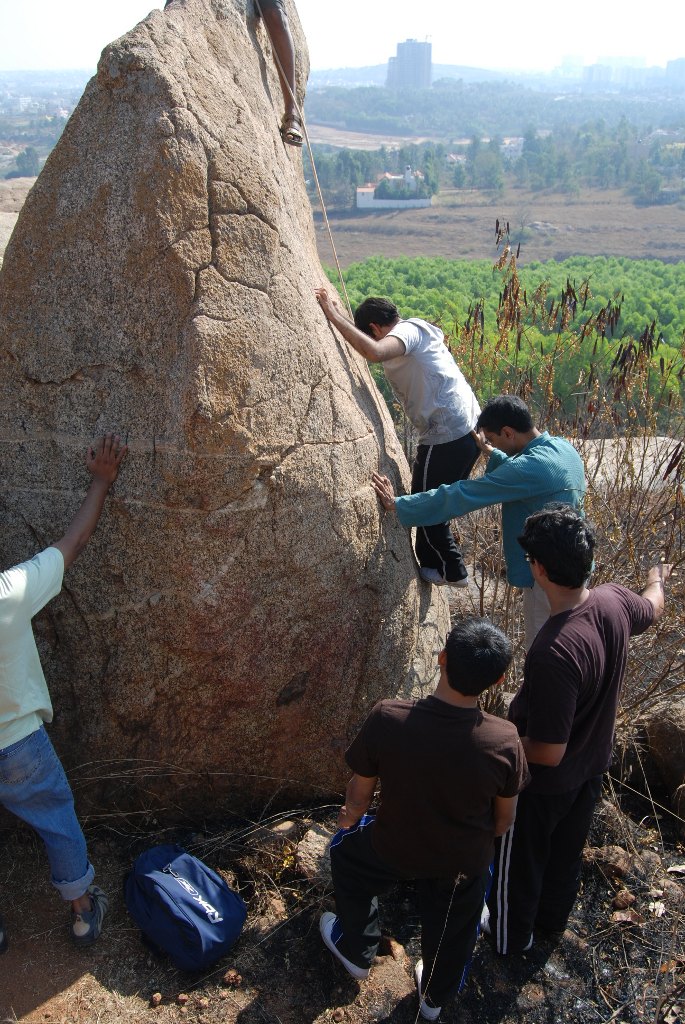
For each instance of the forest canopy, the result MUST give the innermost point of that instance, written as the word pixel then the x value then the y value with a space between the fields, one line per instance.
pixel 574 320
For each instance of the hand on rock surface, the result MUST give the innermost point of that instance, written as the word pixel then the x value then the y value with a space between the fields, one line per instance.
pixel 383 488
pixel 104 458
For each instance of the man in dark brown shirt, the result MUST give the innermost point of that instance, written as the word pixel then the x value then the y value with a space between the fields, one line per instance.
pixel 565 713
pixel 449 776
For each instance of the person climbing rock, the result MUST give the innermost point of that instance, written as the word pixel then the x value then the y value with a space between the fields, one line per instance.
pixel 438 400
pixel 275 19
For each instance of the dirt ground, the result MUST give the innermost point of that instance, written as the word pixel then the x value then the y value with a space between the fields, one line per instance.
pixel 461 225
pixel 601 969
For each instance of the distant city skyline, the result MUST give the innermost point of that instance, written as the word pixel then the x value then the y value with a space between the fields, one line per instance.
pixel 528 36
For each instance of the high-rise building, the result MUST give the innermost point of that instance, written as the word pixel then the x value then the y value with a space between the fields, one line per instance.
pixel 411 68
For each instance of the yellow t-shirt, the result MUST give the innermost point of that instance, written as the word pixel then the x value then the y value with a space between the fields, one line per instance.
pixel 24 699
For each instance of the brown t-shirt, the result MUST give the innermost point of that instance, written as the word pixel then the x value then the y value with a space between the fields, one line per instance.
pixel 440 769
pixel 572 681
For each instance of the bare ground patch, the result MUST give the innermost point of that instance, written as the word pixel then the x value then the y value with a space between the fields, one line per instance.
pixel 280 973
pixel 461 225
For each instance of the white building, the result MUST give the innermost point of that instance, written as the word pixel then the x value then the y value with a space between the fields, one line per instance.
pixel 408 181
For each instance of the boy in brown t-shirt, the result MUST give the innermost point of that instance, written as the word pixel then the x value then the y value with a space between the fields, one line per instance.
pixel 450 775
pixel 565 713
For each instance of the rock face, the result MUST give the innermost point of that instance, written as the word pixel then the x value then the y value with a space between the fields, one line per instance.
pixel 244 601
pixel 665 728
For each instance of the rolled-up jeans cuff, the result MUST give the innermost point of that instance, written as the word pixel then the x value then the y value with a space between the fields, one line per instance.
pixel 72 890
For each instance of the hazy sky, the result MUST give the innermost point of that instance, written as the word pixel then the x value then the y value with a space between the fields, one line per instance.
pixel 528 34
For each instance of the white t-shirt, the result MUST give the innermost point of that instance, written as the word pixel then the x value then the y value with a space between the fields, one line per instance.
pixel 430 385
pixel 24 699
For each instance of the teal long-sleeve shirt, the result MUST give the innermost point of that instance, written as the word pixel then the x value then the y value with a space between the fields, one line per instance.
pixel 547 469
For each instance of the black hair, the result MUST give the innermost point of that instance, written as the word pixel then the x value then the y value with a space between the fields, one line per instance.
pixel 375 311
pixel 561 540
pixel 478 655
pixel 505 411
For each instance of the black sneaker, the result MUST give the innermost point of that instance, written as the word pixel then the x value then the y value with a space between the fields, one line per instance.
pixel 86 927
pixel 4 942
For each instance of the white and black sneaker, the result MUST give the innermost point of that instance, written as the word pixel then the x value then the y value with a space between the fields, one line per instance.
pixel 331 932
pixel 435 577
pixel 426 1011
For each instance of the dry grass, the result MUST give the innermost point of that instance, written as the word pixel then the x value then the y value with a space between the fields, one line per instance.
pixel 554 226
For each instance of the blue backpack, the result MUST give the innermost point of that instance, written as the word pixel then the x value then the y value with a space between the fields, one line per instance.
pixel 183 907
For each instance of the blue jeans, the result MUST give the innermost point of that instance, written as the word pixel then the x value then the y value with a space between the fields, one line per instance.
pixel 34 787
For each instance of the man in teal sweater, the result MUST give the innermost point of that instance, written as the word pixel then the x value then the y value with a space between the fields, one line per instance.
pixel 526 470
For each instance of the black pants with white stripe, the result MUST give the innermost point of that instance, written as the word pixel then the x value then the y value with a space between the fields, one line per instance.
pixel 450 912
pixel 437 464
pixel 537 864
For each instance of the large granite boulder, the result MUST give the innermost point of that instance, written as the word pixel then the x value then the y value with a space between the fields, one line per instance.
pixel 244 601
pixel 665 727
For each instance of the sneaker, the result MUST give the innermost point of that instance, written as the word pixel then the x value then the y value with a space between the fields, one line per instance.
pixel 435 577
pixel 86 927
pixel 426 1011
pixel 485 920
pixel 432 576
pixel 4 943
pixel 327 923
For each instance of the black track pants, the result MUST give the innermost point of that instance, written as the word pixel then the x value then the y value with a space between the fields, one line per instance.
pixel 450 913
pixel 437 464
pixel 537 864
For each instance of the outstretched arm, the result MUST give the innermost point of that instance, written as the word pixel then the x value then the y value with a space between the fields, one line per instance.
pixel 654 591
pixel 102 462
pixel 376 350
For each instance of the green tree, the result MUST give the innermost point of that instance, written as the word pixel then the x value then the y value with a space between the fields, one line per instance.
pixel 28 164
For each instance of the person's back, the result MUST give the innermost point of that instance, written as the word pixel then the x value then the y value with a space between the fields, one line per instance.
pixel 426 749
pixel 429 385
pixel 449 781
pixel 24 698
pixel 548 469
pixel 585 650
